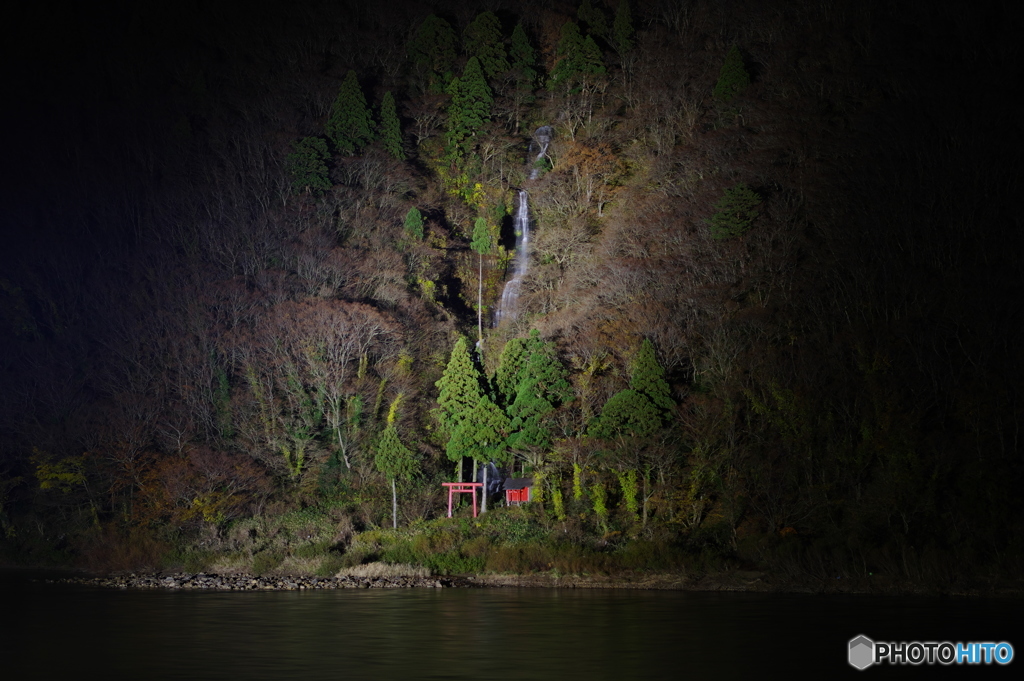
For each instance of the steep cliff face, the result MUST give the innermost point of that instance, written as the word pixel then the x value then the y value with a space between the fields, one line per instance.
pixel 206 302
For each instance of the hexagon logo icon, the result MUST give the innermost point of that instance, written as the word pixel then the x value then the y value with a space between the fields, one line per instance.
pixel 862 652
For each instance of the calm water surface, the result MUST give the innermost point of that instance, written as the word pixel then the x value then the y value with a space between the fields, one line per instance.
pixel 462 634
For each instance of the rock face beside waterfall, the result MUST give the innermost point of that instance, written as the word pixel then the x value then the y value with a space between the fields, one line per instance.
pixel 510 294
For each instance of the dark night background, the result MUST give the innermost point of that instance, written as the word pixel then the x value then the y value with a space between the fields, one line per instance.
pixel 846 374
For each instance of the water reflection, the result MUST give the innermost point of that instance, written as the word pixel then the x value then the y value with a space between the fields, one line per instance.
pixel 462 634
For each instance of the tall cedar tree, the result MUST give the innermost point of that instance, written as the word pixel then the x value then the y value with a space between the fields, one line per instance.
pixel 432 51
pixel 649 378
pixel 578 58
pixel 470 107
pixel 622 29
pixel 481 435
pixel 390 128
pixel 393 458
pixel 482 39
pixel 594 18
pixel 459 389
pixel 307 166
pixel 524 57
pixel 532 383
pixel 350 126
pixel 482 245
pixel 640 410
pixel 733 78
pixel 475 426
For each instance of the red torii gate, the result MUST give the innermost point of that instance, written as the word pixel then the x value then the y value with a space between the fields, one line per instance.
pixel 462 488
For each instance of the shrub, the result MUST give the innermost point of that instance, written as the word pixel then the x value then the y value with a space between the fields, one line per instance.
pixel 263 563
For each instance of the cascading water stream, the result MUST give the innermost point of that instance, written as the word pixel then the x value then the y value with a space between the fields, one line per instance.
pixel 510 295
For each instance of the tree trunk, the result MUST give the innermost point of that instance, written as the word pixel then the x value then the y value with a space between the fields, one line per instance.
pixel 480 300
pixel 483 497
pixel 394 505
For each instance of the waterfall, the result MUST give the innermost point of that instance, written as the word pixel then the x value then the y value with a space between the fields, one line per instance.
pixel 510 295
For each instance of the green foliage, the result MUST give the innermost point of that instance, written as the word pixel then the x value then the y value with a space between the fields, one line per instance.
pixel 733 79
pixel 349 125
pixel 630 490
pixel 579 59
pixel 648 378
pixel 393 459
pixel 266 562
pixel 481 434
pixel 476 426
pixel 482 39
pixel 482 241
pixel 735 212
pixel 639 410
pixel 307 166
pixel 593 17
pixel 524 57
pixel 622 28
pixel 577 482
pixel 532 382
pixel 414 223
pixel 599 498
pixel 627 413
pixel 459 389
pixel 390 128
pixel 63 475
pixel 558 503
pixel 432 51
pixel 470 107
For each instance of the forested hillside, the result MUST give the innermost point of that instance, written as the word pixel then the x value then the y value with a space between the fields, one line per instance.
pixel 253 256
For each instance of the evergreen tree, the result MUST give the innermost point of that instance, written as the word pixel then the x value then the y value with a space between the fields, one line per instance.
pixel 627 413
pixel 470 107
pixel 591 59
pixel 649 378
pixel 475 426
pixel 594 18
pixel 482 39
pixel 432 51
pixel 640 410
pixel 459 389
pixel 523 77
pixel 578 58
pixel 735 212
pixel 394 459
pixel 390 128
pixel 524 57
pixel 532 383
pixel 350 126
pixel 307 165
pixel 481 244
pixel 733 78
pixel 622 29
pixel 481 434
pixel 414 223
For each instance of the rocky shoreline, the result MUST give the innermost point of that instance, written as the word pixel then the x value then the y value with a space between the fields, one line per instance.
pixel 726 581
pixel 244 582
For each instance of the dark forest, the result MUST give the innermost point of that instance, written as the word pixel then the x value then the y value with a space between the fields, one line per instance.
pixel 253 258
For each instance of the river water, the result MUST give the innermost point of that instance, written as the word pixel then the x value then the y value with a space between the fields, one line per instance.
pixel 65 633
